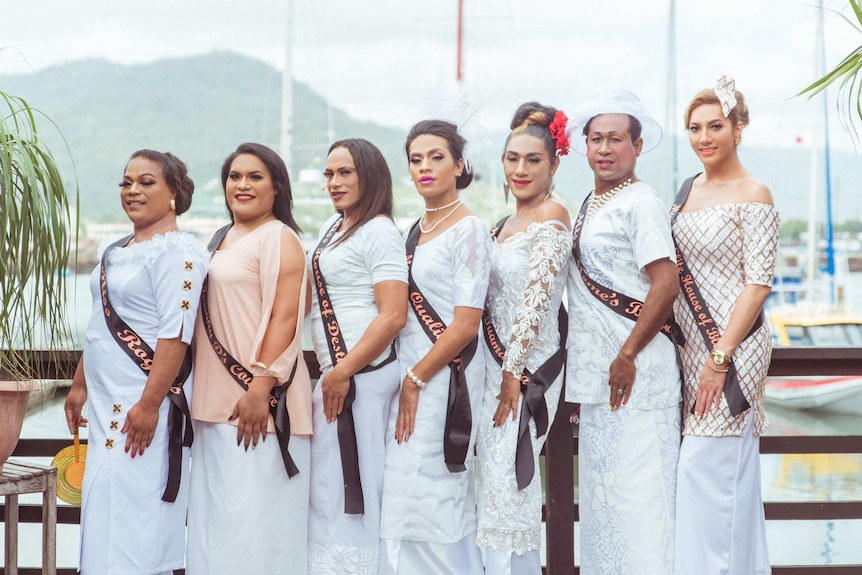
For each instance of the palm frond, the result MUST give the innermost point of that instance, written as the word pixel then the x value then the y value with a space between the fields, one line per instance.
pixel 847 76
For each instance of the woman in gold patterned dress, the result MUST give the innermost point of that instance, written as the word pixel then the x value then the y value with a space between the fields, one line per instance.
pixel 726 235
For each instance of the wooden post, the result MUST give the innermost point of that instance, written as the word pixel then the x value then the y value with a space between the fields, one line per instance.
pixel 11 518
pixel 560 493
pixel 49 524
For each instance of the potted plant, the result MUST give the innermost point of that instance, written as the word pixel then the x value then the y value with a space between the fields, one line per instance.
pixel 35 231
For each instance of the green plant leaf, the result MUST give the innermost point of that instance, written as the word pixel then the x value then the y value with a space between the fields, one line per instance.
pixel 35 239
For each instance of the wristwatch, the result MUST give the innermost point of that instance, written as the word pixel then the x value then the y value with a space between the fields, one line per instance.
pixel 719 357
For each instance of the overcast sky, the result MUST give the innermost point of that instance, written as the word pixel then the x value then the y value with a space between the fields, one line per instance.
pixel 379 59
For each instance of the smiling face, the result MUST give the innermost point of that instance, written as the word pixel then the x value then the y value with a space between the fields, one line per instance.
pixel 711 135
pixel 248 189
pixel 433 168
pixel 144 193
pixel 610 151
pixel 342 181
pixel 528 167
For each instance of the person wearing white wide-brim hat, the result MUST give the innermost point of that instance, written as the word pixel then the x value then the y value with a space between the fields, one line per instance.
pixel 611 100
pixel 621 366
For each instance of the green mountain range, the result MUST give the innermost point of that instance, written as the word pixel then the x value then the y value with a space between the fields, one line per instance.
pixel 201 107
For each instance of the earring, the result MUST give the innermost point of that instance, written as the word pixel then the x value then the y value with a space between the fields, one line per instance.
pixel 551 189
pixel 506 192
pixel 173 205
pixel 738 140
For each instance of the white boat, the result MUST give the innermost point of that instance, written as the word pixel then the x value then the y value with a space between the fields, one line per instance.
pixel 834 395
pixel 829 328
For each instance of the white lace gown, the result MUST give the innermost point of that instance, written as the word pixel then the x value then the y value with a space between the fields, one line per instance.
pixel 527 283
pixel 428 519
pixel 338 543
pixel 126 528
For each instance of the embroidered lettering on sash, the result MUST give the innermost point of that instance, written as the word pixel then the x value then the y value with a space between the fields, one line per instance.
pixel 277 397
pixel 533 386
pixel 622 304
pixel 459 418
pixel 709 331
pixel 354 501
pixel 180 434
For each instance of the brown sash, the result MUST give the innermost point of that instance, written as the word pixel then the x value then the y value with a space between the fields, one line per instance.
pixel 619 303
pixel 533 386
pixel 277 397
pixel 459 417
pixel 703 317
pixel 179 435
pixel 354 501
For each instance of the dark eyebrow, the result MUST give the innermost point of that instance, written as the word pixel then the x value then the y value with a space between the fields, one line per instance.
pixel 529 154
pixel 610 133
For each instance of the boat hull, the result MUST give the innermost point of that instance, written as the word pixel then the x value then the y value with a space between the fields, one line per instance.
pixel 833 395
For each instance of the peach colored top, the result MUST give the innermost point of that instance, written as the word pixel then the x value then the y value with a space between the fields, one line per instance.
pixel 242 282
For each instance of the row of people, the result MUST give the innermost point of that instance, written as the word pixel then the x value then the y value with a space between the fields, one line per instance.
pixel 434 346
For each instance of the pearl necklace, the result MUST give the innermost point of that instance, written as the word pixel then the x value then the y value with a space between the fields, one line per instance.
pixel 441 220
pixel 441 208
pixel 596 201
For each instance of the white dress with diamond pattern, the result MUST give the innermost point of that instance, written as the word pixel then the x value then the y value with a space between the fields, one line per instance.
pixel 125 526
pixel 726 247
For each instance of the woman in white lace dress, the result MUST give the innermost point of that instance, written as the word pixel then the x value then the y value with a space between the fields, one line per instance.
pixel 360 264
pixel 530 256
pixel 428 522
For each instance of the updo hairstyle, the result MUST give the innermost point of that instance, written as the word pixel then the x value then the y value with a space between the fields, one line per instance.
pixel 739 113
pixel 454 141
pixel 176 176
pixel 534 119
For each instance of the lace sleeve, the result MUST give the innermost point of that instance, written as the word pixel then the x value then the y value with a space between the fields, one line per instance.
pixel 548 256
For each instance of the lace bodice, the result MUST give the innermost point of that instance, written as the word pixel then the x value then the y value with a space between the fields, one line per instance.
pixel 528 275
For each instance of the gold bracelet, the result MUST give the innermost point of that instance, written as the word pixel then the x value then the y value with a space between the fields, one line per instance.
pixel 715 369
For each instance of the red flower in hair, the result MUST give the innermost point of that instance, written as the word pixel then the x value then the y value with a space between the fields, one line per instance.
pixel 558 133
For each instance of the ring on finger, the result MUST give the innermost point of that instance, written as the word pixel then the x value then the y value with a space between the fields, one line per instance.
pixel 620 391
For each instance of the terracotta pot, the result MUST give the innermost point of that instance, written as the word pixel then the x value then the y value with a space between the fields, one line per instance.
pixel 13 408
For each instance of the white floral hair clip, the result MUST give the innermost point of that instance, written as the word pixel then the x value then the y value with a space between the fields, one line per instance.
pixel 725 89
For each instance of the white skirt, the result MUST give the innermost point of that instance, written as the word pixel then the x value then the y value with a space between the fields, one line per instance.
pixel 720 525
pixel 126 528
pixel 509 520
pixel 339 543
pixel 627 476
pixel 402 557
pixel 245 514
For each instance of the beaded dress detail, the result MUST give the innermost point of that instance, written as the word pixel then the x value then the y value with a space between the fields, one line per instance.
pixel 726 247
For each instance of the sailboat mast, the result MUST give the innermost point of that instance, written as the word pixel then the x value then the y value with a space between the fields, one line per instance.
pixel 671 168
pixel 286 124
pixel 827 166
pixel 460 38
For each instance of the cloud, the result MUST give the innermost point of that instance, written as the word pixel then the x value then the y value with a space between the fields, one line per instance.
pixel 375 58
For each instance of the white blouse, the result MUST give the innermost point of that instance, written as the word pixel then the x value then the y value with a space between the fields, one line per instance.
pixel 374 253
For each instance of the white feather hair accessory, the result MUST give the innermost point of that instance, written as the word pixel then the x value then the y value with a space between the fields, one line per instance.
pixel 449 100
